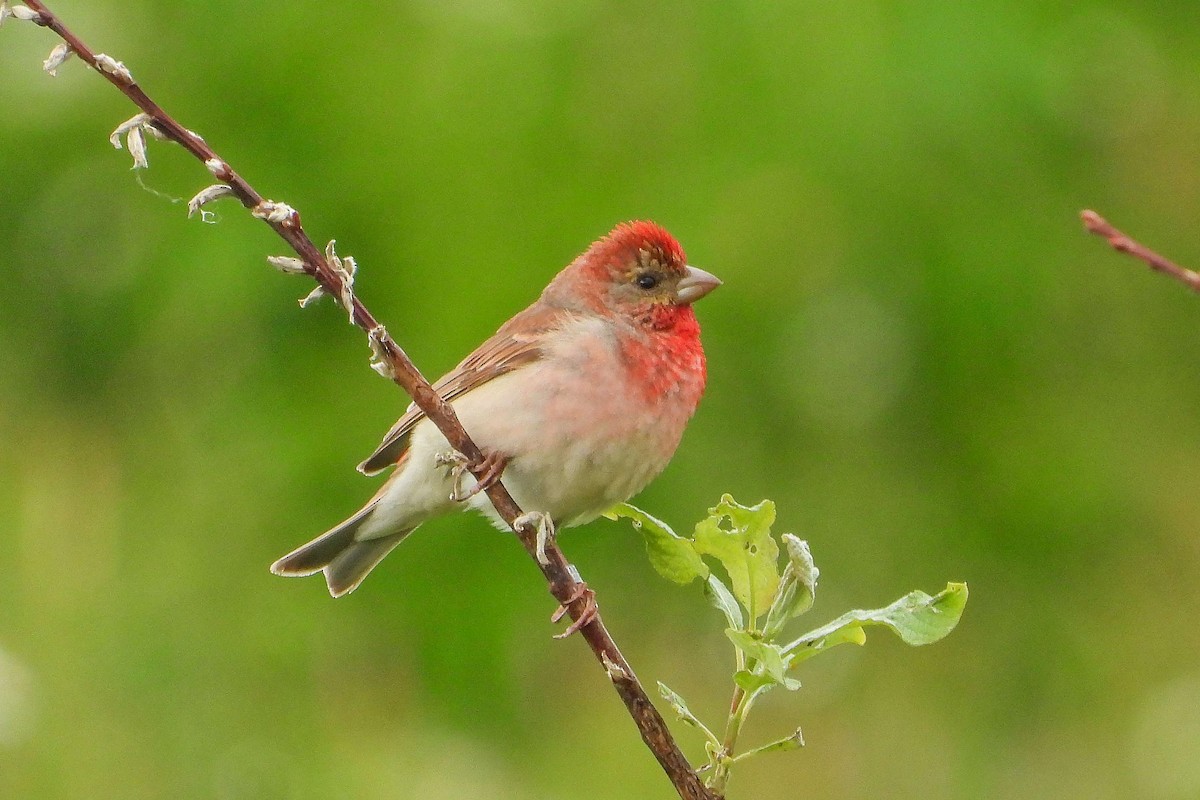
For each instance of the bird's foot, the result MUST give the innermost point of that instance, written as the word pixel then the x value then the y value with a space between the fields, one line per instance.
pixel 541 522
pixel 492 466
pixel 589 612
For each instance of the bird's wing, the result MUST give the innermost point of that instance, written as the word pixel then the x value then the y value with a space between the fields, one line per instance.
pixel 516 344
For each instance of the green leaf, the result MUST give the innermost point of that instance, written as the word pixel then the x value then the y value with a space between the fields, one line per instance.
pixel 796 740
pixel 684 714
pixel 672 556
pixel 740 538
pixel 718 594
pixel 804 648
pixel 751 682
pixel 916 618
pixel 768 655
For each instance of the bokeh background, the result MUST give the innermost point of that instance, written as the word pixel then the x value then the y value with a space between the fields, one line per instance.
pixel 917 353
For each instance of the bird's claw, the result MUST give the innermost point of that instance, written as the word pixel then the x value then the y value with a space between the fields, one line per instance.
pixel 544 526
pixel 588 613
pixel 491 465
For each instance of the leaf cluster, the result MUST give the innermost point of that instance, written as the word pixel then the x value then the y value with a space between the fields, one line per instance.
pixel 760 582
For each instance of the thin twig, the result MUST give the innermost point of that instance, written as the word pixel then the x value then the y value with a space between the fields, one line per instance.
pixel 558 571
pixel 1121 243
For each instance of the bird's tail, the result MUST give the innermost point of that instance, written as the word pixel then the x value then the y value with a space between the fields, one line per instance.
pixel 344 559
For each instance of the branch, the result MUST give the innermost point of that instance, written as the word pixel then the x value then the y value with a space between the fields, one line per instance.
pixel 1098 225
pixel 391 361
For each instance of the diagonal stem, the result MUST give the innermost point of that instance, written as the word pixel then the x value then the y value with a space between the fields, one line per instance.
pixel 1123 244
pixel 558 572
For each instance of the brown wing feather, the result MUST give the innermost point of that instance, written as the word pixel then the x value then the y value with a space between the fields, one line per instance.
pixel 516 344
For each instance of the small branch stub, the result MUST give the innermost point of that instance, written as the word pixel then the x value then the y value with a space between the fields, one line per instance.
pixel 216 166
pixel 288 265
pixel 206 196
pixel 106 63
pixel 22 13
pixel 134 130
pixel 381 362
pixel 312 297
pixel 133 123
pixel 345 269
pixel 136 141
pixel 614 670
pixel 58 56
pixel 269 210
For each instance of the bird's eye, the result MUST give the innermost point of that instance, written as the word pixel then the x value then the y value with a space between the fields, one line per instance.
pixel 646 280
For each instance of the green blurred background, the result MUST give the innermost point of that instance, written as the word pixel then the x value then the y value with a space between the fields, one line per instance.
pixel 917 353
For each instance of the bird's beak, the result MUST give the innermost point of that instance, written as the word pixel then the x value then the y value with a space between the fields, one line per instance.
pixel 695 284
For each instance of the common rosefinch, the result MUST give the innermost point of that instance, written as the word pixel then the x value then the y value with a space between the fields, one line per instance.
pixel 580 400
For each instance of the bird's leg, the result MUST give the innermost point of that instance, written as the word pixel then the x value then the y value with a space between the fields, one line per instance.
pixel 492 465
pixel 541 521
pixel 590 609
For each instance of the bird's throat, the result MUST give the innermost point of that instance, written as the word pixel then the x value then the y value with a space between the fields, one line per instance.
pixel 667 359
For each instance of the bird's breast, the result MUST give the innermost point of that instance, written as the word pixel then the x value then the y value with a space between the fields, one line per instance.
pixel 591 423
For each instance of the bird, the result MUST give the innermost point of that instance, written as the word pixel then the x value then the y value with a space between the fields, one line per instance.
pixel 577 403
